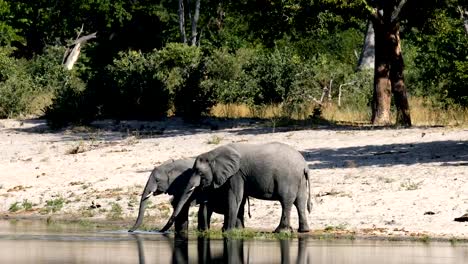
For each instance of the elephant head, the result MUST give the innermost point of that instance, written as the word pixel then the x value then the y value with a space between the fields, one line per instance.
pixel 162 180
pixel 210 170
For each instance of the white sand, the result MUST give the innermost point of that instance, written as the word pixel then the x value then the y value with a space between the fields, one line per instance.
pixel 372 182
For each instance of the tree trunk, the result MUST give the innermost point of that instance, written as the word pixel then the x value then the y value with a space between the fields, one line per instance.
pixel 382 85
pixel 367 58
pixel 397 80
pixel 195 18
pixel 183 37
pixel 389 66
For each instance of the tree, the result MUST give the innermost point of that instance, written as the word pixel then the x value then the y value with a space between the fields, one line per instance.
pixel 389 65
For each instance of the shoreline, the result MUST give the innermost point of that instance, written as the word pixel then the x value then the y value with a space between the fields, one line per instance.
pixel 248 233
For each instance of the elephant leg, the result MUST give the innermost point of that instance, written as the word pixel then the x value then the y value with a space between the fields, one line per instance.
pixel 300 203
pixel 235 196
pixel 204 217
pixel 181 221
pixel 284 224
pixel 240 214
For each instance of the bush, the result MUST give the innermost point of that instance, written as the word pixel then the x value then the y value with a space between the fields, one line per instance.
pixel 229 76
pixel 71 103
pixel 281 76
pixel 17 87
pixel 150 84
pixel 132 89
pixel 181 71
pixel 442 61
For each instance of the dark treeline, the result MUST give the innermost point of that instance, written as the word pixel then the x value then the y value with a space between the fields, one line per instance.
pixel 150 58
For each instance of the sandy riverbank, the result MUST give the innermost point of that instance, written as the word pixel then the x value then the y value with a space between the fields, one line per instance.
pixel 390 182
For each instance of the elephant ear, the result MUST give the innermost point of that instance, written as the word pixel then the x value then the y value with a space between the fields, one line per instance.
pixel 225 163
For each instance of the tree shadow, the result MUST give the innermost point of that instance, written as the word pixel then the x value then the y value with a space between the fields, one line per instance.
pixel 448 153
pixel 112 130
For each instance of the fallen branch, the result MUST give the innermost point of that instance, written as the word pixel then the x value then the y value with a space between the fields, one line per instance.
pixel 73 51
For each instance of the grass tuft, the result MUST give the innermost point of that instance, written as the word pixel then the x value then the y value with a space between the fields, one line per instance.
pixel 15 207
pixel 115 212
pixel 244 234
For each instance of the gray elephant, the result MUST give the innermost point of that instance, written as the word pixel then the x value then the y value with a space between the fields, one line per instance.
pixel 272 171
pixel 172 177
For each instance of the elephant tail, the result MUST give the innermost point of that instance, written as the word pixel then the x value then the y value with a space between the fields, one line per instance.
pixel 309 198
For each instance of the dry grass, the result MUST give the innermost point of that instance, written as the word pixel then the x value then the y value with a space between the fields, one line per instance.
pixel 245 111
pixel 423 113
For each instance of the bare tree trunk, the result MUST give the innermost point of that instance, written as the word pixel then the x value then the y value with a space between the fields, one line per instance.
pixel 183 37
pixel 367 58
pixel 398 81
pixel 195 18
pixel 72 56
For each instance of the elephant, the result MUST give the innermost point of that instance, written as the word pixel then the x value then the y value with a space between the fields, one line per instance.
pixel 271 171
pixel 171 177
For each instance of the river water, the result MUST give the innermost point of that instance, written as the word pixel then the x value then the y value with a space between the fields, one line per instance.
pixel 27 241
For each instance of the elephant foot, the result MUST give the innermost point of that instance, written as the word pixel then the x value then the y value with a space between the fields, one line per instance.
pixel 239 224
pixel 281 229
pixel 303 228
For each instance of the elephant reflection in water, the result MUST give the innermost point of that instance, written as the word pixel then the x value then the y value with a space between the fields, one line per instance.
pixel 233 251
pixel 302 256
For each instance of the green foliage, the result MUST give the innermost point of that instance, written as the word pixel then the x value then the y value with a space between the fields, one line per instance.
pixel 17 86
pixel 8 34
pixel 132 88
pixel 181 72
pixel 71 103
pixel 229 76
pixel 253 52
pixel 287 75
pixel 443 60
pixel 150 84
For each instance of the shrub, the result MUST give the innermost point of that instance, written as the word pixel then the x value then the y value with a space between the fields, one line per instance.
pixel 228 76
pixel 17 87
pixel 71 103
pixel 181 71
pixel 132 88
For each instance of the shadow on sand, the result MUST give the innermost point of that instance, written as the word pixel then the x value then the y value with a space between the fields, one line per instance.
pixel 448 153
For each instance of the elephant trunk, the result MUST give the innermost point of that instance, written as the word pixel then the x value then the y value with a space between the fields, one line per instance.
pixel 193 183
pixel 141 213
pixel 150 189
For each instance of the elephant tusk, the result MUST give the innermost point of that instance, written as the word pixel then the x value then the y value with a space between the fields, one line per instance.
pixel 148 196
pixel 191 189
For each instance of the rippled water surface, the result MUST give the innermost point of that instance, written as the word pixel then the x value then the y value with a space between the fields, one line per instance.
pixel 38 242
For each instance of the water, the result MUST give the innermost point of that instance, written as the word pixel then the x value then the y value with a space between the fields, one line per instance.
pixel 37 242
